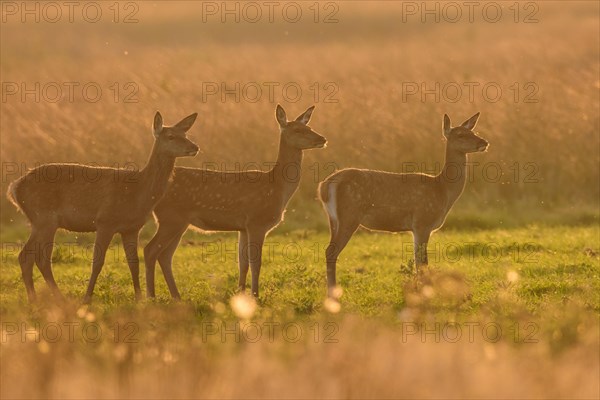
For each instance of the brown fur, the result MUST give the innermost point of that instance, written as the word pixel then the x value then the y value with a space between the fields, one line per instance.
pixel 82 198
pixel 250 202
pixel 393 202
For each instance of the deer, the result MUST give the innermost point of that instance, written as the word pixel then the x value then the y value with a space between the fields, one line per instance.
pixel 104 200
pixel 397 202
pixel 250 202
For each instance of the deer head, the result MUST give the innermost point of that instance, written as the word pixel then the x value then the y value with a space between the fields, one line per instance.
pixel 462 138
pixel 172 140
pixel 297 133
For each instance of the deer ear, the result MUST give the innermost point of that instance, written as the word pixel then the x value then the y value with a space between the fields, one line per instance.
pixel 446 126
pixel 471 122
pixel 305 116
pixel 186 123
pixel 157 125
pixel 280 116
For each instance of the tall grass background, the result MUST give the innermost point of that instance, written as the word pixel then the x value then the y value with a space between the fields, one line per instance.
pixel 368 54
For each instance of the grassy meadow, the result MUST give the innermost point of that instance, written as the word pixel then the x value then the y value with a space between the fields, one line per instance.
pixel 509 306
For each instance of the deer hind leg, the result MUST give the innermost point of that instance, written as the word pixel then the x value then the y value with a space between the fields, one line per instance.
pixel 256 240
pixel 43 258
pixel 103 238
pixel 338 241
pixel 165 259
pixel 130 245
pixel 344 218
pixel 243 261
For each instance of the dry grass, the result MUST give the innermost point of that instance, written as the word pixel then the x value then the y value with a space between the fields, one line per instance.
pixel 170 57
pixel 174 354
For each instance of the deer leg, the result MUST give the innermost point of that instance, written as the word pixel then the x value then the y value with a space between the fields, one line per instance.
pixel 243 260
pixel 130 245
pixel 339 239
pixel 255 244
pixel 44 259
pixel 26 260
pixel 103 238
pixel 161 240
pixel 165 259
pixel 421 239
pixel 150 255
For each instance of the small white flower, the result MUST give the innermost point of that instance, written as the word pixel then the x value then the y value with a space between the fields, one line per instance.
pixel 243 305
pixel 428 291
pixel 512 276
pixel 332 305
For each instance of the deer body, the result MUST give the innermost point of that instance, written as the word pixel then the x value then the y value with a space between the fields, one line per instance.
pixel 394 202
pixel 225 201
pixel 251 203
pixel 120 196
pixel 83 198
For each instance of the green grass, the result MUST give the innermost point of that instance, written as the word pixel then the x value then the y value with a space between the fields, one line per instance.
pixel 553 266
pixel 539 285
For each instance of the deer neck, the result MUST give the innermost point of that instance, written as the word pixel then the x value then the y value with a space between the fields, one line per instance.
pixel 286 172
pixel 156 175
pixel 454 175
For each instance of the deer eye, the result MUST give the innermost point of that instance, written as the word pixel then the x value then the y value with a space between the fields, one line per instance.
pixel 171 137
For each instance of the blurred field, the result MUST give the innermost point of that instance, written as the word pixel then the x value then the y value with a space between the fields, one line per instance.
pixel 171 360
pixel 548 151
pixel 519 250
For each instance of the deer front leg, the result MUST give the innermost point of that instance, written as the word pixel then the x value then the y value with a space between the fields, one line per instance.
pixel 103 238
pixel 165 259
pixel 166 234
pixel 151 252
pixel 255 244
pixel 243 262
pixel 44 258
pixel 421 239
pixel 130 245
